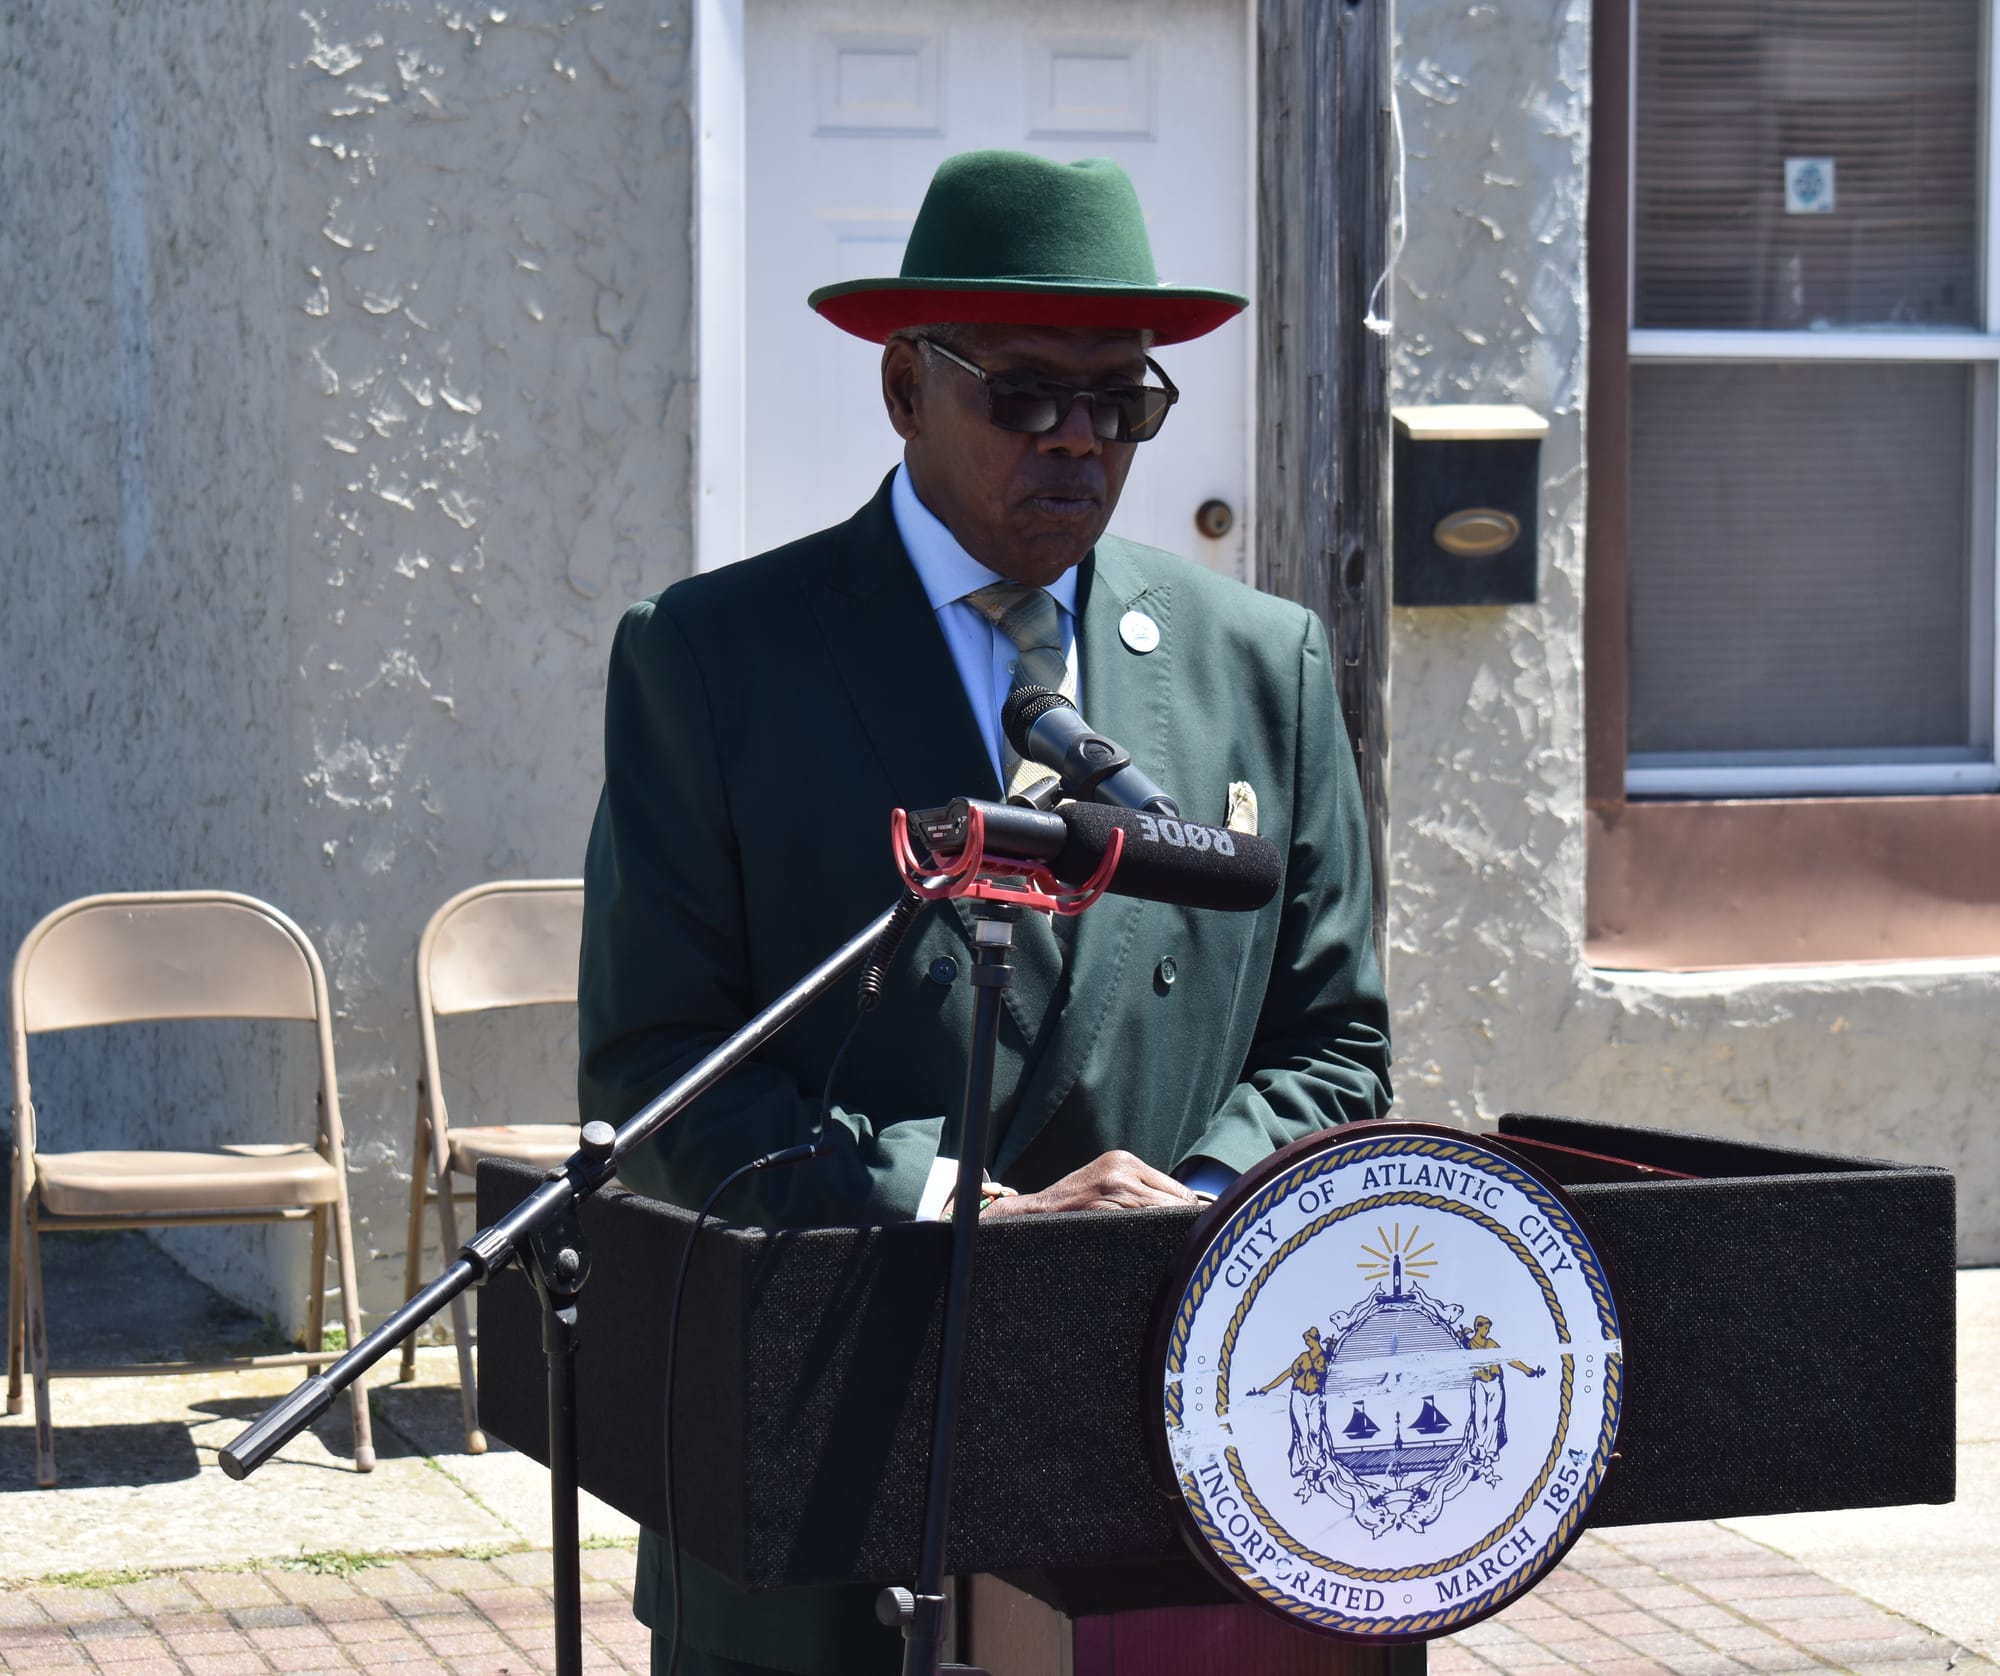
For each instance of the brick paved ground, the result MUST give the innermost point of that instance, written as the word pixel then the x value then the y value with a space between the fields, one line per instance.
pixel 1693 1600
pixel 417 1617
pixel 1668 1600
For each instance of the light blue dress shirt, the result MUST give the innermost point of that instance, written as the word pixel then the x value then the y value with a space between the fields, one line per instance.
pixel 984 656
pixel 985 659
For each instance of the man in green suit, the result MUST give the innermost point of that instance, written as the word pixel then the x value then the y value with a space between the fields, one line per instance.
pixel 763 722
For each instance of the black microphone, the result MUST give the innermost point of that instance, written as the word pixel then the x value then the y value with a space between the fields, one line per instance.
pixel 1045 727
pixel 1166 859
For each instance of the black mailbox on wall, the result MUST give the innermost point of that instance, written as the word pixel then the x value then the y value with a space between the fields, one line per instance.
pixel 1467 504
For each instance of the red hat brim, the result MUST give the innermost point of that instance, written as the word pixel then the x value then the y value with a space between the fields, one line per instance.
pixel 874 309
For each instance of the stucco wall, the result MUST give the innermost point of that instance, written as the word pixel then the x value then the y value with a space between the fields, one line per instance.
pixel 354 408
pixel 1496 1009
pixel 349 402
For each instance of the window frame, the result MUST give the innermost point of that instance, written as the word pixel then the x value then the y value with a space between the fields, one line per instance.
pixel 1689 883
pixel 1975 767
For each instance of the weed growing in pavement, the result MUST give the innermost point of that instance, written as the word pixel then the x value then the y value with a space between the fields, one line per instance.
pixel 101 1578
pixel 333 1563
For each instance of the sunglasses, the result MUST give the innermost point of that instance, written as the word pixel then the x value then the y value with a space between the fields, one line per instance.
pixel 1031 405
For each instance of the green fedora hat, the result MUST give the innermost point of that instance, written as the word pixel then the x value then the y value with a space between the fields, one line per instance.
pixel 1007 236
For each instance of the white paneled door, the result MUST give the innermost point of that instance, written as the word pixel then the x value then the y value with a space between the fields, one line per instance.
pixel 847 111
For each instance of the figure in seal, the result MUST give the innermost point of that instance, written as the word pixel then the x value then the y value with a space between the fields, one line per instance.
pixel 1487 1427
pixel 1312 1445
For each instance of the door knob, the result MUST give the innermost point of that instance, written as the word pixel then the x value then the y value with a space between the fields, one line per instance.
pixel 1214 519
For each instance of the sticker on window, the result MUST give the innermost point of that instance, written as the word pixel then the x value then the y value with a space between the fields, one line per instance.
pixel 1808 185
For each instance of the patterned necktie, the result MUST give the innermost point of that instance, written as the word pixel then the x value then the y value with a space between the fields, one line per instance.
pixel 1030 618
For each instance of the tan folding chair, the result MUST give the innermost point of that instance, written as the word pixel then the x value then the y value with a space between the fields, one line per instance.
pixel 164 955
pixel 513 943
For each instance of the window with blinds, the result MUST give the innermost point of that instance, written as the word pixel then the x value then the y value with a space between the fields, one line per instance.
pixel 1811 538
pixel 1814 594
pixel 1731 91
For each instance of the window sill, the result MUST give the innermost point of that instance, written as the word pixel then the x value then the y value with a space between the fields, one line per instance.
pixel 1843 343
pixel 1711 982
pixel 1925 774
pixel 1793 883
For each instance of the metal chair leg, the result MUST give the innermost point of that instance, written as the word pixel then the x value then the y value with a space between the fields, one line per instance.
pixel 461 1323
pixel 350 1313
pixel 16 1291
pixel 38 1358
pixel 413 1239
pixel 316 1286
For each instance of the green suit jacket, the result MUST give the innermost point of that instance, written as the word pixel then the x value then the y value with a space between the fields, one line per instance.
pixel 761 723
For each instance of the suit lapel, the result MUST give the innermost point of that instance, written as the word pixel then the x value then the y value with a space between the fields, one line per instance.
pixel 910 702
pixel 913 708
pixel 1128 696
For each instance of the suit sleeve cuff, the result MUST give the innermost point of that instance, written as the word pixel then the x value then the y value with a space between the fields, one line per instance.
pixel 1205 1175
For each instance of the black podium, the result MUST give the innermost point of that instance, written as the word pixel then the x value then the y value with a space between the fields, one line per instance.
pixel 1788 1327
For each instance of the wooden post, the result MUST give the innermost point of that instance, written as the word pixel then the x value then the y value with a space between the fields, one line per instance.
pixel 1324 164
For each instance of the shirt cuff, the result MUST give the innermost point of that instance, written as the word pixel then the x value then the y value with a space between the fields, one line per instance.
pixel 1205 1175
pixel 943 1178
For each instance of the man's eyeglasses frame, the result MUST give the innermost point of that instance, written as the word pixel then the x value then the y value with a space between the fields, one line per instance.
pixel 1135 411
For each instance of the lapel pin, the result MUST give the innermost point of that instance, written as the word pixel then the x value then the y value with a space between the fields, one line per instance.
pixel 1242 811
pixel 1138 631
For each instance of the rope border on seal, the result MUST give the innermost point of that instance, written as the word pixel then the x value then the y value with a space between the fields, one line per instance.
pixel 1344 1155
pixel 1592 1274
pixel 1425 1624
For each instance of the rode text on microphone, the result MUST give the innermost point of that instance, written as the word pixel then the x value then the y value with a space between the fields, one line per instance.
pixel 1062 860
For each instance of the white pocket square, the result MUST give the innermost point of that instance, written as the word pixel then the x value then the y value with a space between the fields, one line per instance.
pixel 1242 808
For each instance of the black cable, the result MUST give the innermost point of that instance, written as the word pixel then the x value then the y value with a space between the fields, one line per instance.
pixel 832 1071
pixel 869 993
pixel 876 972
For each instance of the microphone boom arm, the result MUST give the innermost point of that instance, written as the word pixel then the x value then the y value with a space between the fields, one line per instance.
pixel 588 1169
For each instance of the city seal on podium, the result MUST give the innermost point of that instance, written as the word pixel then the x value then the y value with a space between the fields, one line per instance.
pixel 1389 1379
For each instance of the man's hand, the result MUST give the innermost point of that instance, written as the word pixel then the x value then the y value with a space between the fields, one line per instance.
pixel 1115 1181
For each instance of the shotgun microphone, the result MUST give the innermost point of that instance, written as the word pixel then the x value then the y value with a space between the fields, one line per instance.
pixel 1165 859
pixel 1045 727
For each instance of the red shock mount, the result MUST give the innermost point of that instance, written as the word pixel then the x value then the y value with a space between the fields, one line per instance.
pixel 986 878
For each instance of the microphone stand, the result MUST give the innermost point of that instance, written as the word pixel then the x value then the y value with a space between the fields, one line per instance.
pixel 923 1613
pixel 547 1224
pixel 996 909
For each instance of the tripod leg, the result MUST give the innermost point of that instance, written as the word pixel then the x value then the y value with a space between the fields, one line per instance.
pixel 558 1267
pixel 564 1536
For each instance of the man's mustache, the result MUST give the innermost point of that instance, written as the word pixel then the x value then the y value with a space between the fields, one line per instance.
pixel 1069 485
